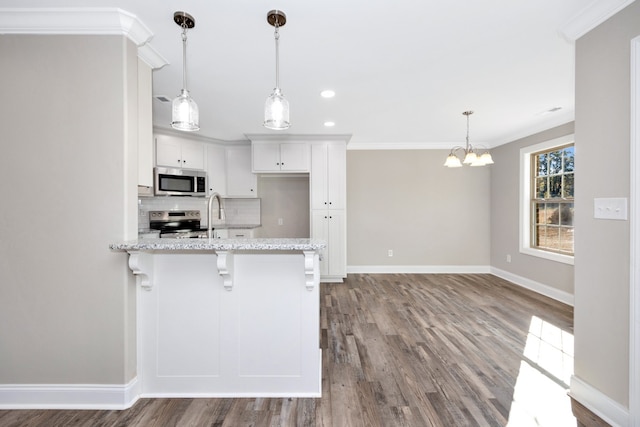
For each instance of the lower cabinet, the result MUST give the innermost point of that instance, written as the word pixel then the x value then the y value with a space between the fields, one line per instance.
pixel 330 225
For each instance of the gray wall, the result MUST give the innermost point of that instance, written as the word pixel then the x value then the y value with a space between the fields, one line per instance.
pixel 405 200
pixel 66 301
pixel 285 197
pixel 505 216
pixel 602 247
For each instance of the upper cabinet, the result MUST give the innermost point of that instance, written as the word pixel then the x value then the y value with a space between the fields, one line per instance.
pixel 329 175
pixel 241 182
pixel 175 152
pixel 216 170
pixel 280 157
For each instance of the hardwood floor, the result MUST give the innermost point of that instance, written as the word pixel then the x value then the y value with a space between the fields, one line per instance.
pixel 398 350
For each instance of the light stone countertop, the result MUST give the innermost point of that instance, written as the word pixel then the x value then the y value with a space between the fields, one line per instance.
pixel 289 244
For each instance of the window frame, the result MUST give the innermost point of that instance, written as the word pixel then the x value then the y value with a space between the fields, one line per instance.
pixel 525 199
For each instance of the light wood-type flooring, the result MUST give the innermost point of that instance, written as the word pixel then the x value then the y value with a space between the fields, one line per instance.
pixel 399 350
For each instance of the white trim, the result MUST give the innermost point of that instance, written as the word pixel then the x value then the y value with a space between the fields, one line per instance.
pixel 600 404
pixel 418 269
pixel 634 250
pixel 532 285
pixel 106 21
pixel 151 57
pixel 591 16
pixel 525 197
pixel 403 145
pixel 69 396
pixel 78 21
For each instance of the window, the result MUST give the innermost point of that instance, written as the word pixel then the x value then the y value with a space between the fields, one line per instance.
pixel 547 199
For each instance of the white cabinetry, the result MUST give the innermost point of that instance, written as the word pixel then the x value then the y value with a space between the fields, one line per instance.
pixel 330 226
pixel 216 170
pixel 176 152
pixel 329 176
pixel 328 206
pixel 280 157
pixel 241 182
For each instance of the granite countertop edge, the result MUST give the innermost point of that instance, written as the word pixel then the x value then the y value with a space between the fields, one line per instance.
pixel 272 244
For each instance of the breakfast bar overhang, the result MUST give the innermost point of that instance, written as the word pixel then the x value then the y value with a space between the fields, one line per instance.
pixel 227 317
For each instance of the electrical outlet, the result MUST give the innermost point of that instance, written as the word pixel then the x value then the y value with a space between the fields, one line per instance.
pixel 280 221
pixel 508 257
pixel 390 252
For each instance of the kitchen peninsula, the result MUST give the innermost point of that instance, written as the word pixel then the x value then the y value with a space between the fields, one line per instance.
pixel 227 317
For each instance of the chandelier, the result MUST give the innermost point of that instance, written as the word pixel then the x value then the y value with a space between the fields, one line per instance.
pixel 469 155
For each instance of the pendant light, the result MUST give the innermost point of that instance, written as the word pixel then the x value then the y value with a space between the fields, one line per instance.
pixel 185 115
pixel 470 156
pixel 276 108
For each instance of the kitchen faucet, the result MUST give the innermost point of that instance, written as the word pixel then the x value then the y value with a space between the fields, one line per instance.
pixel 220 213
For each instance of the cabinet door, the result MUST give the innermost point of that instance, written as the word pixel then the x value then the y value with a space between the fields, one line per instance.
pixel 318 177
pixel 320 230
pixel 241 182
pixel 168 152
pixel 266 157
pixel 193 155
pixel 294 157
pixel 337 254
pixel 336 175
pixel 216 170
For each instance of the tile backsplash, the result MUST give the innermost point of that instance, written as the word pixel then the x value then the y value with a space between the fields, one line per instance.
pixel 238 211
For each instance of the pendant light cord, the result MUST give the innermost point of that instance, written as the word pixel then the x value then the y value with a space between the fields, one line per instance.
pixel 276 36
pixel 184 57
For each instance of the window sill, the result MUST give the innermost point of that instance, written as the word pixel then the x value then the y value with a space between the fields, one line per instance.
pixel 551 256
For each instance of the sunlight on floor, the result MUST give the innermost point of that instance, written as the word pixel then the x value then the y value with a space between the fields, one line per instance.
pixel 540 395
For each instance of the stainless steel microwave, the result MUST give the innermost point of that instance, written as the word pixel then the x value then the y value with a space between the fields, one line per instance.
pixel 179 182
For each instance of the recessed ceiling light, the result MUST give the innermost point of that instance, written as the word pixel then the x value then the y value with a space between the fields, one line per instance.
pixel 329 124
pixel 549 111
pixel 327 93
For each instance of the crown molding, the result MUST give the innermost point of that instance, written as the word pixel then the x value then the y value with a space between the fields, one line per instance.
pixel 151 57
pixel 82 21
pixel 591 16
pixel 401 145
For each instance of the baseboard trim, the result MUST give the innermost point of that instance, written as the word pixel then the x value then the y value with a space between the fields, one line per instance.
pixel 601 405
pixel 69 396
pixel 532 285
pixel 418 269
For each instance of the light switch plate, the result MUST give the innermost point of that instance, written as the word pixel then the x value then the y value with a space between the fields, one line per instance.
pixel 610 208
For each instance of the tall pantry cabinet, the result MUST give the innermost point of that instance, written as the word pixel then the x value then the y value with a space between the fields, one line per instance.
pixel 328 206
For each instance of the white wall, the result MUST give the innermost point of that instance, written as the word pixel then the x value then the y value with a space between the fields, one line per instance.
pixel 407 201
pixel 602 246
pixel 68 189
pixel 505 215
pixel 286 198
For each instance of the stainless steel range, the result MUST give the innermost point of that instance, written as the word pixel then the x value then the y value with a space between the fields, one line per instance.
pixel 177 224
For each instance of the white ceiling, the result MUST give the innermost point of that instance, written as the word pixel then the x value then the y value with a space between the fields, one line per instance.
pixel 403 71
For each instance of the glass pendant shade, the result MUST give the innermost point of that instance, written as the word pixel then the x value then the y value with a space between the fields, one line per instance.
pixel 453 161
pixel 486 158
pixel 185 114
pixel 469 158
pixel 276 111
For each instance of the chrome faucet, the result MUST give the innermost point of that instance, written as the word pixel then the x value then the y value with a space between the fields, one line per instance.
pixel 220 213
